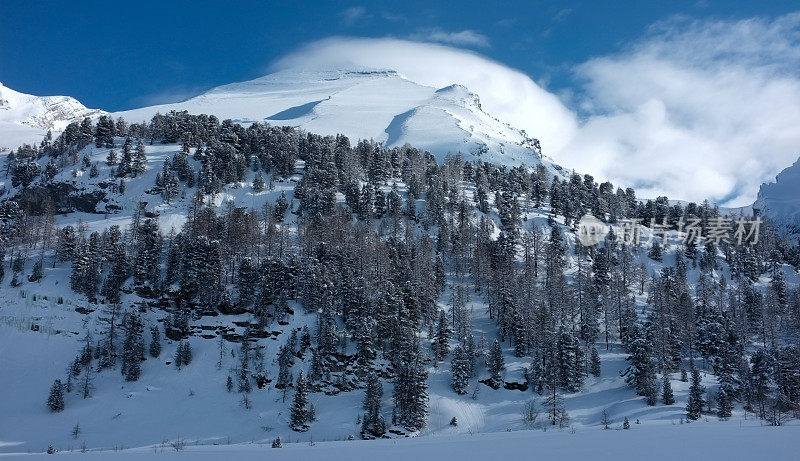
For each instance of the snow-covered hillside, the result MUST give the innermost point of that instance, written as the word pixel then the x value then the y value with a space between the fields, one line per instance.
pixel 366 104
pixel 663 442
pixel 191 404
pixel 187 240
pixel 381 105
pixel 780 200
pixel 25 118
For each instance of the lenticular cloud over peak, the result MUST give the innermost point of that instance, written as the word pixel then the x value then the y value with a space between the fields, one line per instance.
pixel 681 112
pixel 505 93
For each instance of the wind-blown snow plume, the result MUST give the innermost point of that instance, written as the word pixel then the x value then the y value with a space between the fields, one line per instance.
pixel 694 110
pixel 505 93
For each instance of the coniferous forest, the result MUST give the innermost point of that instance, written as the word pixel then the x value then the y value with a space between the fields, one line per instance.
pixel 371 269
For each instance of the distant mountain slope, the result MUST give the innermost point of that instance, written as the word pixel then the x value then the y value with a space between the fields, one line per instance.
pixel 780 200
pixel 25 118
pixel 366 104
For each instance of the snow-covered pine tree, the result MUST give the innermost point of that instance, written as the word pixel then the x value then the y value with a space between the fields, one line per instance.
pixel 55 400
pixel 460 370
pixel 441 346
pixel 495 363
pixel 594 362
pixel 37 273
pixel 112 158
pixel 155 342
pixel 655 253
pixel 299 411
pixel 694 406
pixel 258 183
pixel 139 161
pixel 133 346
pixel 571 367
pixel 666 390
pixel 373 424
pixel 641 372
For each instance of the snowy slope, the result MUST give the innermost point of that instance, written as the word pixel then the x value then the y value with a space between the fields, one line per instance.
pixel 365 104
pixel 731 440
pixel 25 118
pixel 39 336
pixel 780 200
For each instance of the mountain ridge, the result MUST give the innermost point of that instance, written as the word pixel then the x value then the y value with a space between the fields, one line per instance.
pixel 377 104
pixel 26 118
pixel 780 200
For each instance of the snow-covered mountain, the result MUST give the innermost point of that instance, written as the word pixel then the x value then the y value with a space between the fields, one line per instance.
pixel 26 118
pixel 366 104
pixel 382 105
pixel 780 200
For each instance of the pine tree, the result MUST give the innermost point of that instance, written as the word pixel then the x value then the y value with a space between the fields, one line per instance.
pixel 126 161
pixel 133 346
pixel 111 159
pixel 666 391
pixel 183 354
pixel 655 253
pixel 373 424
pixel 461 370
pixel 724 403
pixel 37 273
pixel 570 363
pixel 56 398
pixel 155 342
pixel 495 363
pixel 281 206
pixel 299 413
pixel 411 394
pixel 641 372
pixel 694 406
pixel 594 362
pixel 441 340
pixel 187 353
pixel 258 183
pixel 139 162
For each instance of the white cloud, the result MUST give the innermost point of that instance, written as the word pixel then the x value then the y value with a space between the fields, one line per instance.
pixel 352 15
pixel 168 96
pixel 505 93
pixel 462 38
pixel 694 110
pixel 698 109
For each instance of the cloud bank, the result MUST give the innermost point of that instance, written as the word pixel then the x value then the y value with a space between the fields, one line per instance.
pixel 697 109
pixel 693 110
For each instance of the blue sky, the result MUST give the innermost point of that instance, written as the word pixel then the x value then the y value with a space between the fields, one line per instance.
pixel 120 55
pixel 690 99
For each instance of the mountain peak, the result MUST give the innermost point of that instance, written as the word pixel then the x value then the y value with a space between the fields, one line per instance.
pixel 25 118
pixel 780 200
pixel 366 103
